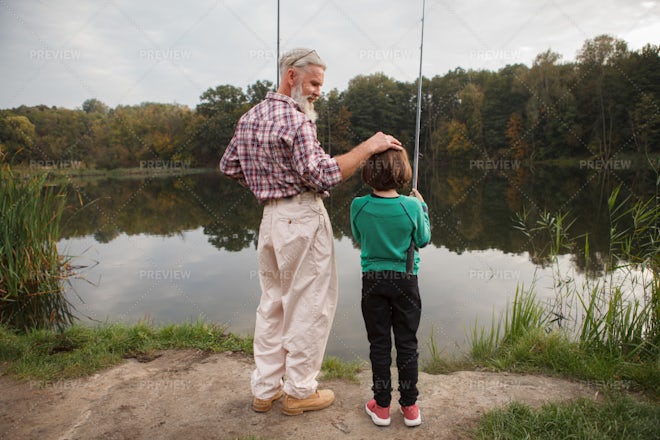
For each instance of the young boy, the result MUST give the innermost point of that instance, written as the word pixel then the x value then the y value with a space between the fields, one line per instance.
pixel 386 225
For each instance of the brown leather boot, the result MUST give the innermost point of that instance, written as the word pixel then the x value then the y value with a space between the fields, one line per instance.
pixel 318 400
pixel 261 405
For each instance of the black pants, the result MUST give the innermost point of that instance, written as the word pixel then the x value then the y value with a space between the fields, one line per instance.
pixel 391 302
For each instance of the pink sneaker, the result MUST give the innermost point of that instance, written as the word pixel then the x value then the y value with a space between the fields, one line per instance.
pixel 411 415
pixel 379 415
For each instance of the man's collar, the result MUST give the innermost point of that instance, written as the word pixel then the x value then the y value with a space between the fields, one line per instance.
pixel 284 98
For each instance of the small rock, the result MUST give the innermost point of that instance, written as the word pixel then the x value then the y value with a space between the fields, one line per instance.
pixel 342 427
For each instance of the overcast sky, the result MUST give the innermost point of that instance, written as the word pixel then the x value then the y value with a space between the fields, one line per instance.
pixel 61 52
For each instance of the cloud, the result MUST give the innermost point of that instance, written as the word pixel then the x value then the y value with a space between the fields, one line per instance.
pixel 125 52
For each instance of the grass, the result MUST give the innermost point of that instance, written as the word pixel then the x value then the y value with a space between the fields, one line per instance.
pixel 79 350
pixel 538 351
pixel 524 313
pixel 617 418
pixel 335 368
pixel 32 272
pixel 439 364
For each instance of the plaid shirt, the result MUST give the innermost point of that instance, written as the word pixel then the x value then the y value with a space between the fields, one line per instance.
pixel 275 152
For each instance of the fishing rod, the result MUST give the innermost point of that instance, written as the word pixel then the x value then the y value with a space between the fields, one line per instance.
pixel 410 260
pixel 277 58
pixel 419 104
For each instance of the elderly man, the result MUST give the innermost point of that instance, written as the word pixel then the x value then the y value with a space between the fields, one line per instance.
pixel 276 154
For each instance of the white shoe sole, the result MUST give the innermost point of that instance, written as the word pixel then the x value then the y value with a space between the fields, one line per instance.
pixel 377 420
pixel 411 423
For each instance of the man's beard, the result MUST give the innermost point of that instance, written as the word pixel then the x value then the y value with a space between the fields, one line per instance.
pixel 304 103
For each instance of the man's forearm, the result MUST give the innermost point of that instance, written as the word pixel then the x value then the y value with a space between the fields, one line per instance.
pixel 352 161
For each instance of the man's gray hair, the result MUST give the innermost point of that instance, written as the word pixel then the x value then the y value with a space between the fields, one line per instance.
pixel 300 58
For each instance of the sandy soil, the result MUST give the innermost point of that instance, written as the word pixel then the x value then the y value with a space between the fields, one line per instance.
pixel 188 394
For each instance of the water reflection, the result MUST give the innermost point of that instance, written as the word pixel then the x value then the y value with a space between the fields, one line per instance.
pixel 178 248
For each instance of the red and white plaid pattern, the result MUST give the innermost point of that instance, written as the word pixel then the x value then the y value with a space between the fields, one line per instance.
pixel 276 154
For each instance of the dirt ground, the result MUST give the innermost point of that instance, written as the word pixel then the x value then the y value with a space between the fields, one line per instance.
pixel 189 394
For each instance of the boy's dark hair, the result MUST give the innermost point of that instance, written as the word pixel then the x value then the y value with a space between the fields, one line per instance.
pixel 387 170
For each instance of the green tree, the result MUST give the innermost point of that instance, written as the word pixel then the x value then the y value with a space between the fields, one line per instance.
pixel 646 124
pixel 501 99
pixel 603 94
pixel 334 128
pixel 550 109
pixel 379 103
pixel 17 136
pixel 257 92
pixel 642 71
pixel 93 105
pixel 219 111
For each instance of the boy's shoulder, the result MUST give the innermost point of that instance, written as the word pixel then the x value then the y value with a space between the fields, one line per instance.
pixel 361 200
pixel 411 201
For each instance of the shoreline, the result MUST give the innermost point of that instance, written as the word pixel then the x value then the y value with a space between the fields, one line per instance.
pixel 178 393
pixel 117 173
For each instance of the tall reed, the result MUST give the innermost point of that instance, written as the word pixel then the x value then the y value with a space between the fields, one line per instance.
pixel 631 324
pixel 524 315
pixel 32 272
pixel 610 315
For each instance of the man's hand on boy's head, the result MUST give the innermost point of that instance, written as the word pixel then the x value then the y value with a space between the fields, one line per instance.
pixel 380 142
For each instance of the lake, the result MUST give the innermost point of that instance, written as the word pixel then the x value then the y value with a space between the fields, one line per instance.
pixel 183 247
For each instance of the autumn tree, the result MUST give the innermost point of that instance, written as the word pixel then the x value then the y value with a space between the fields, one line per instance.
pixel 472 101
pixel 515 133
pixel 17 136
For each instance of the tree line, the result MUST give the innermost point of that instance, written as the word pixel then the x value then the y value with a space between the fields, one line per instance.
pixel 603 105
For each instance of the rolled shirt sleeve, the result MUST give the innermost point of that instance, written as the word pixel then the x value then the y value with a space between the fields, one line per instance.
pixel 230 164
pixel 314 165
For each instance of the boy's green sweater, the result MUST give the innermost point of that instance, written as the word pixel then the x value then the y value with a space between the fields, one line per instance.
pixel 384 228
